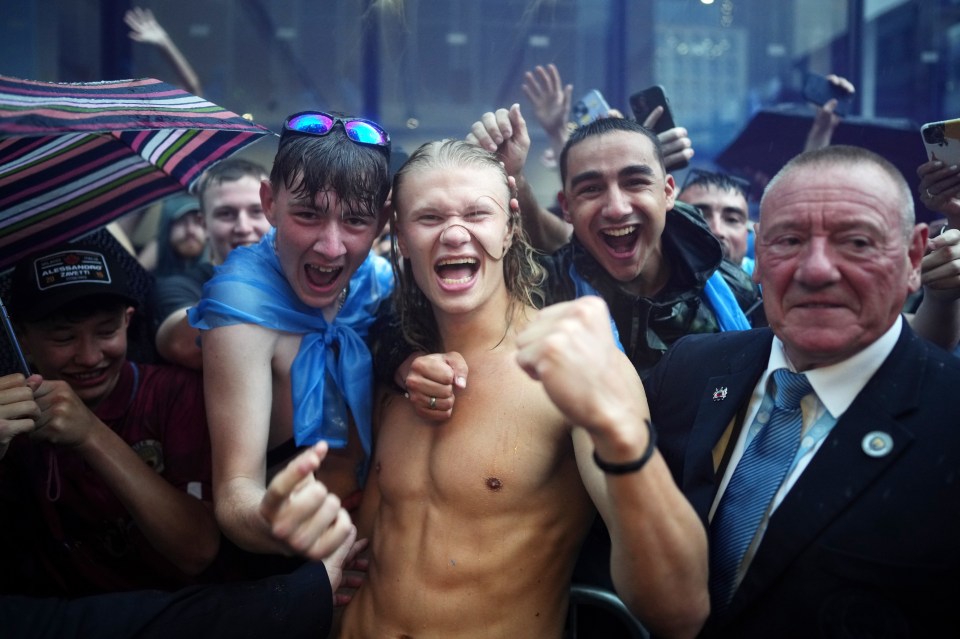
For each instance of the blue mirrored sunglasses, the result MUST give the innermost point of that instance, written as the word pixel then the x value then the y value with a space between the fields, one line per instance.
pixel 319 123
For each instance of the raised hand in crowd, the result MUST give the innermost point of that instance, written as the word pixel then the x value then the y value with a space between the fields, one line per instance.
pixel 826 119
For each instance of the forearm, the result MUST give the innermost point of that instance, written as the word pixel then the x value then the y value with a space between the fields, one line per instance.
pixel 238 513
pixel 659 548
pixel 938 321
pixel 546 231
pixel 183 68
pixel 178 525
pixel 658 560
pixel 558 139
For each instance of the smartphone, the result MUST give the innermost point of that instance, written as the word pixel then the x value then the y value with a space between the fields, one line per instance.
pixel 588 108
pixel 942 140
pixel 819 90
pixel 643 103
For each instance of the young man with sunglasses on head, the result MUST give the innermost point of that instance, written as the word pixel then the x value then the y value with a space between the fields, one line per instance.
pixel 282 325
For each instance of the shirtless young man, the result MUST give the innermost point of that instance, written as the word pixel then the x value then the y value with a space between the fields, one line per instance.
pixel 272 384
pixel 475 522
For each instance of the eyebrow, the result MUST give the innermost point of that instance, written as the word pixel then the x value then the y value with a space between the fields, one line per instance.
pixel 632 169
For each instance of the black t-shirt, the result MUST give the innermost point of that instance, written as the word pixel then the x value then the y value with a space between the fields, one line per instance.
pixel 174 292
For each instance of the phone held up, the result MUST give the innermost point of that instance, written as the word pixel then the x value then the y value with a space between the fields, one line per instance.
pixel 644 102
pixel 819 90
pixel 589 108
pixel 942 141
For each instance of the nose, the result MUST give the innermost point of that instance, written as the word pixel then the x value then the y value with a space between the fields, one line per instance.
pixel 329 242
pixel 243 224
pixel 617 205
pixel 716 227
pixel 88 353
pixel 454 235
pixel 816 266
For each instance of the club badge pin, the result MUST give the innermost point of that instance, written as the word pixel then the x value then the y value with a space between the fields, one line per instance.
pixel 877 444
pixel 720 394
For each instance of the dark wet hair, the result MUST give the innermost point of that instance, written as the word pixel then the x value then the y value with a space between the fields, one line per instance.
pixel 608 125
pixel 359 174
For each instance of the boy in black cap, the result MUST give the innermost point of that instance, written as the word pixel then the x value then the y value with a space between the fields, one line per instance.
pixel 118 457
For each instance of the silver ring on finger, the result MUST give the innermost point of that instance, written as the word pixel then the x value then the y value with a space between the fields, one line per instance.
pixel 433 403
pixel 929 194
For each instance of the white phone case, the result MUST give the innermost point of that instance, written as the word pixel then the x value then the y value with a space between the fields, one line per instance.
pixel 942 140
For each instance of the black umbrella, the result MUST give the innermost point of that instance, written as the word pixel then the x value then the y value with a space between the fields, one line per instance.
pixel 773 136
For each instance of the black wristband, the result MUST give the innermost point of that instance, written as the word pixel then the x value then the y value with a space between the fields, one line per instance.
pixel 634 466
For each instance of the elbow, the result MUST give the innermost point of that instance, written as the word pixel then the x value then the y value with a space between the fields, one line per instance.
pixel 202 552
pixel 181 352
pixel 682 618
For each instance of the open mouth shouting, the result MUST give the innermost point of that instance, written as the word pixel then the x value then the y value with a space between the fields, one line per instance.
pixel 322 277
pixel 621 241
pixel 454 271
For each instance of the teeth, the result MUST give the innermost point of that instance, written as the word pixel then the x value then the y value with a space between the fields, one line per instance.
pixel 85 375
pixel 456 260
pixel 323 269
pixel 620 232
pixel 462 280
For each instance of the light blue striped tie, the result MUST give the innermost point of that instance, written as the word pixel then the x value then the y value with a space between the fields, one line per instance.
pixel 755 481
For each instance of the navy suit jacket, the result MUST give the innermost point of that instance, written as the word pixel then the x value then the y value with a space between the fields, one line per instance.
pixel 861 546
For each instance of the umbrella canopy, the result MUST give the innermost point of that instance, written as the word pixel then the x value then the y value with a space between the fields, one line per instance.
pixel 774 136
pixel 76 156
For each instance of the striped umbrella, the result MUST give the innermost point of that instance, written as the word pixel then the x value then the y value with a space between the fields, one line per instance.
pixel 76 156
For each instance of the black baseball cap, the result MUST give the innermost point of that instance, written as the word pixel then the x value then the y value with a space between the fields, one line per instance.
pixel 47 281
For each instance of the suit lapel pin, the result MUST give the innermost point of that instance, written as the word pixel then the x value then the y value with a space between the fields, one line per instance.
pixel 720 394
pixel 877 443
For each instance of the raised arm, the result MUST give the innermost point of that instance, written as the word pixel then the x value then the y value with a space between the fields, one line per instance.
pixel 677 147
pixel 504 132
pixel 938 316
pixel 551 103
pixel 145 28
pixel 659 547
pixel 826 119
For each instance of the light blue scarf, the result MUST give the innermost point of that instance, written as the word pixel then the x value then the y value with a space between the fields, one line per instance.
pixel 716 290
pixel 724 304
pixel 250 288
pixel 583 287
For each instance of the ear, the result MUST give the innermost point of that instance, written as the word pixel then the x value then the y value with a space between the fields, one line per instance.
pixel 562 201
pixel 267 202
pixel 756 254
pixel 915 252
pixel 669 190
pixel 385 212
pixel 128 316
pixel 397 229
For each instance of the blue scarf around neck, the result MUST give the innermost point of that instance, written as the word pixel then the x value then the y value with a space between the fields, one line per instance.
pixel 250 288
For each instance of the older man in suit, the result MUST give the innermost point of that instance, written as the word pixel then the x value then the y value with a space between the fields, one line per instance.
pixel 834 513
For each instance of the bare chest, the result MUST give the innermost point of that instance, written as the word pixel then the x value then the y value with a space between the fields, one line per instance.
pixel 505 442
